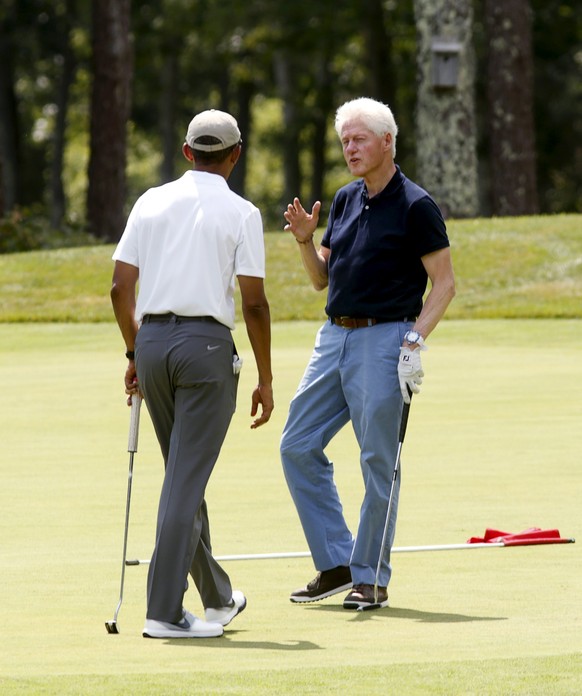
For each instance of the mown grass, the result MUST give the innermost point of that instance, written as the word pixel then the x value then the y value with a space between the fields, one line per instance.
pixel 493 440
pixel 528 267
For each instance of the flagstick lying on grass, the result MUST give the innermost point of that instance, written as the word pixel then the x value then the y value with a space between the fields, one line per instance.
pixel 528 538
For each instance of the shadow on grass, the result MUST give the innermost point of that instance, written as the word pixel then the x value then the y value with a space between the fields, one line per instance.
pixel 224 642
pixel 410 614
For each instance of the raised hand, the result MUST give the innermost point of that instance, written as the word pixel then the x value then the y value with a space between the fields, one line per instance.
pixel 301 223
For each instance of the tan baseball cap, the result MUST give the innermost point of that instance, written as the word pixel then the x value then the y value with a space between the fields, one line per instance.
pixel 212 130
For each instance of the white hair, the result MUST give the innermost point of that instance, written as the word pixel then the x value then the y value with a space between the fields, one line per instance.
pixel 375 115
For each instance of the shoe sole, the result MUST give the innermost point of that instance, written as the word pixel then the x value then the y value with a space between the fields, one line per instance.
pixel 330 593
pixel 365 606
pixel 184 635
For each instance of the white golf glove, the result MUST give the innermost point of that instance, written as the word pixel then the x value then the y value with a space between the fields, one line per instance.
pixel 410 372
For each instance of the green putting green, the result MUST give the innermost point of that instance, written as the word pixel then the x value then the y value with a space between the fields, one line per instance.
pixel 493 441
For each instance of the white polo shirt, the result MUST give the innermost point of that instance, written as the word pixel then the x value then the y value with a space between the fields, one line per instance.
pixel 190 238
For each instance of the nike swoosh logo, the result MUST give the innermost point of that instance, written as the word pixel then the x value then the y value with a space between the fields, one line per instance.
pixel 212 347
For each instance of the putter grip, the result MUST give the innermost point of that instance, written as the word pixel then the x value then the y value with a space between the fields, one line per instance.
pixel 134 423
pixel 404 418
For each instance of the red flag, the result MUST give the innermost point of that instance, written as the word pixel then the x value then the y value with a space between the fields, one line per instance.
pixel 531 536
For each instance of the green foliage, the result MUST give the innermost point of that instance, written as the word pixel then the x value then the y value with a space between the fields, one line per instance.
pixel 219 46
pixel 29 229
pixel 265 173
pixel 557 37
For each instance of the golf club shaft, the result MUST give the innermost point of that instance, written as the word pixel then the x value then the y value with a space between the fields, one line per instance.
pixel 132 449
pixel 401 436
pixel 387 522
pixel 125 535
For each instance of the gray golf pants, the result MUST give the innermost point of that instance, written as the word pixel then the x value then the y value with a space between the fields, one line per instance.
pixel 185 373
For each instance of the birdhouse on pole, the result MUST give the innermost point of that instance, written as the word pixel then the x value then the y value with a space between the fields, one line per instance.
pixel 445 62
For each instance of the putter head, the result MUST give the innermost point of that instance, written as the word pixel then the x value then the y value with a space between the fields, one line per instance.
pixel 111 627
pixel 369 607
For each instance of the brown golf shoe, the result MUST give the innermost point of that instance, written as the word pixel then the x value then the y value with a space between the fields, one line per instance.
pixel 362 597
pixel 325 584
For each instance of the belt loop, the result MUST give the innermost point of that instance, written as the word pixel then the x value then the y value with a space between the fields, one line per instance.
pixel 370 323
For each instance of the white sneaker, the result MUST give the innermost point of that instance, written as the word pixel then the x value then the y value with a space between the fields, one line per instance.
pixel 189 627
pixel 225 615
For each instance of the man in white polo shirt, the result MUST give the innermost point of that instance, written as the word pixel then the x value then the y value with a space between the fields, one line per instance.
pixel 185 242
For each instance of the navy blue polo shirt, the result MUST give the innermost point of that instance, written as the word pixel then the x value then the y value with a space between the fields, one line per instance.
pixel 375 268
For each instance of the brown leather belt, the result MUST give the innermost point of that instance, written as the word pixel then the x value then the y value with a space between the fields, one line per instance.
pixel 360 323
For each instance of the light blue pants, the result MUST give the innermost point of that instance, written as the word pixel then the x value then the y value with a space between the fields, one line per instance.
pixel 352 375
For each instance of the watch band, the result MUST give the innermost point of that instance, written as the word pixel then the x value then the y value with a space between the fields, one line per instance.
pixel 418 338
pixel 130 354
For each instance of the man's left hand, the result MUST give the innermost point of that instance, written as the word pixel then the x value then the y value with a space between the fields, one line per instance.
pixel 410 372
pixel 263 395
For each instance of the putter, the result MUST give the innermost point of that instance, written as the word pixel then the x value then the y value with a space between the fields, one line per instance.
pixel 111 626
pixel 403 424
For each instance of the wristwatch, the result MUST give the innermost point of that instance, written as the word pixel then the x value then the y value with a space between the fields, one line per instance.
pixel 130 355
pixel 413 337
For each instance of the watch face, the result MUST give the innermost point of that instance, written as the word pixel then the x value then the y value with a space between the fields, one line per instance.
pixel 412 336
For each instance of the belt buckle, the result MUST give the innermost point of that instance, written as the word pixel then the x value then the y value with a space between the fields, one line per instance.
pixel 347 322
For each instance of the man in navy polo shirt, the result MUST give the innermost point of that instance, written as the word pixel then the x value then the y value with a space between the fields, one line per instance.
pixel 384 239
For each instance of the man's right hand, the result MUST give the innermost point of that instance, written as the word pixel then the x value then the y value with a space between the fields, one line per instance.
pixel 130 381
pixel 300 222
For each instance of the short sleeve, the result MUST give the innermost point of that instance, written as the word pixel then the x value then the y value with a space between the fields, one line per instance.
pixel 426 226
pixel 127 249
pixel 250 253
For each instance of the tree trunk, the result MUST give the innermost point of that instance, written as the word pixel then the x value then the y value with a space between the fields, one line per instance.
pixel 510 107
pixel 321 114
pixel 58 204
pixel 286 87
pixel 168 102
pixel 378 53
pixel 245 91
pixel 9 134
pixel 112 70
pixel 446 128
